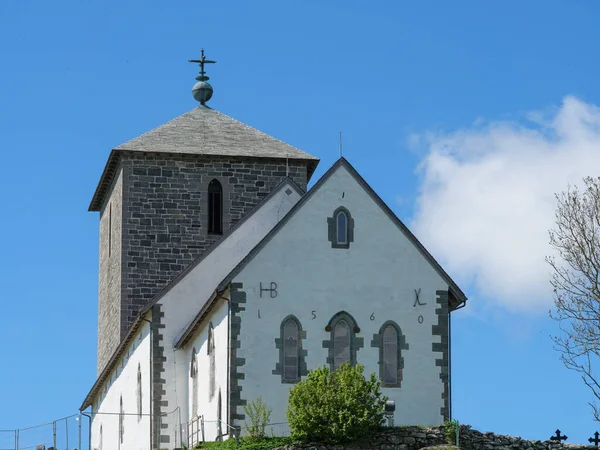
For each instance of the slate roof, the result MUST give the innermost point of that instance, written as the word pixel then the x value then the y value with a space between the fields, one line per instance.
pixel 202 131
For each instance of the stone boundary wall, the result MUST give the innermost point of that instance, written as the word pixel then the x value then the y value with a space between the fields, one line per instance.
pixel 416 438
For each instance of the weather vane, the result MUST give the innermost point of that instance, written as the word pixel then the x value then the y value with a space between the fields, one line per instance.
pixel 202 90
pixel 202 61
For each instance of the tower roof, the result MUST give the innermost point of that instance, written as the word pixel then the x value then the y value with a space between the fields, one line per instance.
pixel 202 131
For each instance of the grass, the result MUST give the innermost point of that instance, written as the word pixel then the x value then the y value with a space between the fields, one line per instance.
pixel 266 443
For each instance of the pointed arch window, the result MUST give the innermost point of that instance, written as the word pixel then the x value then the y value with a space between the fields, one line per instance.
pixel 219 418
pixel 101 439
pixel 341 221
pixel 194 376
pixel 292 363
pixel 215 207
pixel 390 342
pixel 211 362
pixel 121 420
pixel 341 343
pixel 139 392
pixel 340 228
pixel 344 342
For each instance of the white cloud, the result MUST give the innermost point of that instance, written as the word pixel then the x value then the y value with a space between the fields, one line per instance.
pixel 486 199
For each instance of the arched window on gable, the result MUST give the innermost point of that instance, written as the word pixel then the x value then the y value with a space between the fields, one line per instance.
pixel 194 376
pixel 101 439
pixel 341 221
pixel 215 207
pixel 390 342
pixel 344 342
pixel 211 362
pixel 340 228
pixel 121 420
pixel 139 392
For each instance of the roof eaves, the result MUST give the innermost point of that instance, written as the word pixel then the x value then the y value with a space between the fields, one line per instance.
pixel 106 180
pixel 89 399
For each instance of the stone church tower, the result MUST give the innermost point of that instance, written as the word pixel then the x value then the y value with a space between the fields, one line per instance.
pixel 167 195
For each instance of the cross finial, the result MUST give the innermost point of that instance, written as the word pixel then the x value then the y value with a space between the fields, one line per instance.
pixel 595 440
pixel 202 61
pixel 558 437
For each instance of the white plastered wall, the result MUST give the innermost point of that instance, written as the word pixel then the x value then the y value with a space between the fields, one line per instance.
pixel 122 383
pixel 185 299
pixel 207 405
pixel 374 279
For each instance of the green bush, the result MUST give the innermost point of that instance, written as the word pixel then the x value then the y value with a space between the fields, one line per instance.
pixel 337 406
pixel 259 415
pixel 450 431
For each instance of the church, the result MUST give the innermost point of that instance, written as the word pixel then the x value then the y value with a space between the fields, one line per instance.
pixel 223 278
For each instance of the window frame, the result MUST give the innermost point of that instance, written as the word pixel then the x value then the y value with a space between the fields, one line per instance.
pixel 212 385
pixel 401 344
pixel 139 392
pixel 215 224
pixel 333 228
pixel 356 342
pixel 301 356
pixel 194 377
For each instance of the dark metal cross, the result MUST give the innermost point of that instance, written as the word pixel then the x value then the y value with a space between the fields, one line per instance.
pixel 595 440
pixel 558 437
pixel 202 61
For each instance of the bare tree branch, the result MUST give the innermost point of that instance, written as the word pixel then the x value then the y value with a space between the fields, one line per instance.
pixel 575 281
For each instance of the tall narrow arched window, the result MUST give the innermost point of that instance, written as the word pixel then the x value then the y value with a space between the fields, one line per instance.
pixel 211 361
pixel 215 207
pixel 390 355
pixel 139 392
pixel 340 228
pixel 292 364
pixel 194 376
pixel 390 342
pixel 219 418
pixel 101 439
pixel 341 222
pixel 341 343
pixel 344 343
pixel 290 350
pixel 121 420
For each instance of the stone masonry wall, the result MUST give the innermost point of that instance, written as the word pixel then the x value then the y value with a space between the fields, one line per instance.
pixel 165 221
pixel 109 283
pixel 416 438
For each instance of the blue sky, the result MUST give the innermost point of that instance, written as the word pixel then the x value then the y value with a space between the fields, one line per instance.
pixel 464 116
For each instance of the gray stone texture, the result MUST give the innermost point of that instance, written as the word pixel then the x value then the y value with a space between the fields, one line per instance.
pixel 162 226
pixel 109 285
pixel 441 329
pixel 417 438
pixel 159 406
pixel 236 402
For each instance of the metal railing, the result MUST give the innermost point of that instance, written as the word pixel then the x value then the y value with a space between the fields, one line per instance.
pixel 65 432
